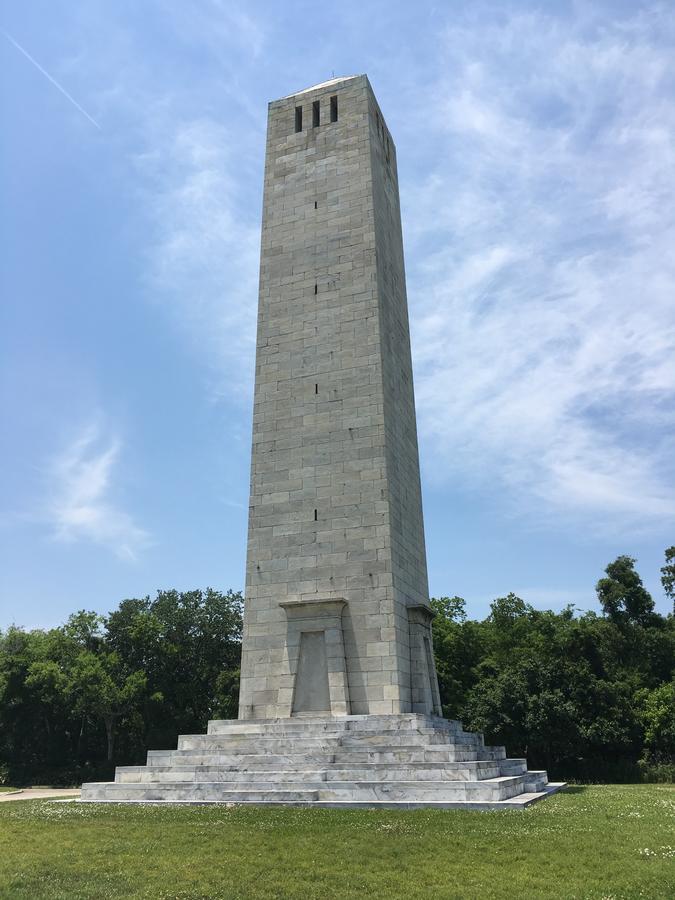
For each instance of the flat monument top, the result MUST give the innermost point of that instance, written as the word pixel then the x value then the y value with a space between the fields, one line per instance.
pixel 323 84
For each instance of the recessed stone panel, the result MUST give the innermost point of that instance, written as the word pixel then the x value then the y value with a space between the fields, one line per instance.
pixel 311 693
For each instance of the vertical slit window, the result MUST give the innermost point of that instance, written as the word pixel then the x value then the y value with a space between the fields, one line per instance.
pixel 316 515
pixel 316 114
pixel 333 109
pixel 316 288
pixel 298 118
pixel 316 388
pixel 316 205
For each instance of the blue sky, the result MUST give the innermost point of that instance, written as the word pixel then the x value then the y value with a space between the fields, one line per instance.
pixel 536 149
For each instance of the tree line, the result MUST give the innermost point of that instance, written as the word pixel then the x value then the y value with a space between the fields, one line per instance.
pixel 101 690
pixel 587 696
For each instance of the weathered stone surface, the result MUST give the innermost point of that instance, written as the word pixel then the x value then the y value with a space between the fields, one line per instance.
pixel 408 760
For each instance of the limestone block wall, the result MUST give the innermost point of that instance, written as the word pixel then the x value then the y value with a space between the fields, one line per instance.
pixel 335 510
pixel 406 525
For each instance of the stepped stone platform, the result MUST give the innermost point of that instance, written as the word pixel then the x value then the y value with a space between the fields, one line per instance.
pixel 389 761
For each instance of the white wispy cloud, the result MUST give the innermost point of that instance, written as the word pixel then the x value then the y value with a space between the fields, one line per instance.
pixel 221 26
pixel 203 249
pixel 542 276
pixel 81 504
pixel 194 143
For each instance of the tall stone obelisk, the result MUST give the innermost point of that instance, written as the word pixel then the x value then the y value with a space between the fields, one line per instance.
pixel 337 616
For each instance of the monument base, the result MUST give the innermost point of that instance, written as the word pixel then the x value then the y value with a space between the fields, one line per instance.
pixel 403 761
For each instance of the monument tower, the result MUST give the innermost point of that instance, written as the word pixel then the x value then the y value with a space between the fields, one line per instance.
pixel 339 701
pixel 337 616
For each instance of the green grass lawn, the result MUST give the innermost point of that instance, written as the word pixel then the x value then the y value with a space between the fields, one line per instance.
pixel 612 841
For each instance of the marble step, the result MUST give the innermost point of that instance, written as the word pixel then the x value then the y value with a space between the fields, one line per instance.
pixel 513 766
pixel 265 744
pixel 416 772
pixel 204 791
pixel 427 753
pixel 498 788
pixel 450 735
pixel 419 737
pixel 348 724
pixel 398 762
pixel 346 757
pixel 379 721
pixel 403 756
pixel 101 792
pixel 535 781
pixel 493 789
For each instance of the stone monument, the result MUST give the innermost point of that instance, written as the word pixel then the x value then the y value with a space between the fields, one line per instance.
pixel 337 604
pixel 339 700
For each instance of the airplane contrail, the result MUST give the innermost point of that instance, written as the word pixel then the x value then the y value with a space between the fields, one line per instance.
pixel 53 80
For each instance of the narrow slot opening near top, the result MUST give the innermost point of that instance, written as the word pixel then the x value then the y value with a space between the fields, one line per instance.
pixel 333 109
pixel 298 118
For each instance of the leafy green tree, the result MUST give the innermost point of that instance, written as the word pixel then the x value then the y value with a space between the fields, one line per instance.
pixel 189 645
pixel 37 726
pixel 226 693
pixel 102 689
pixel 48 683
pixel 668 575
pixel 560 688
pixel 458 650
pixel 658 716
pixel 622 595
pixel 86 630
